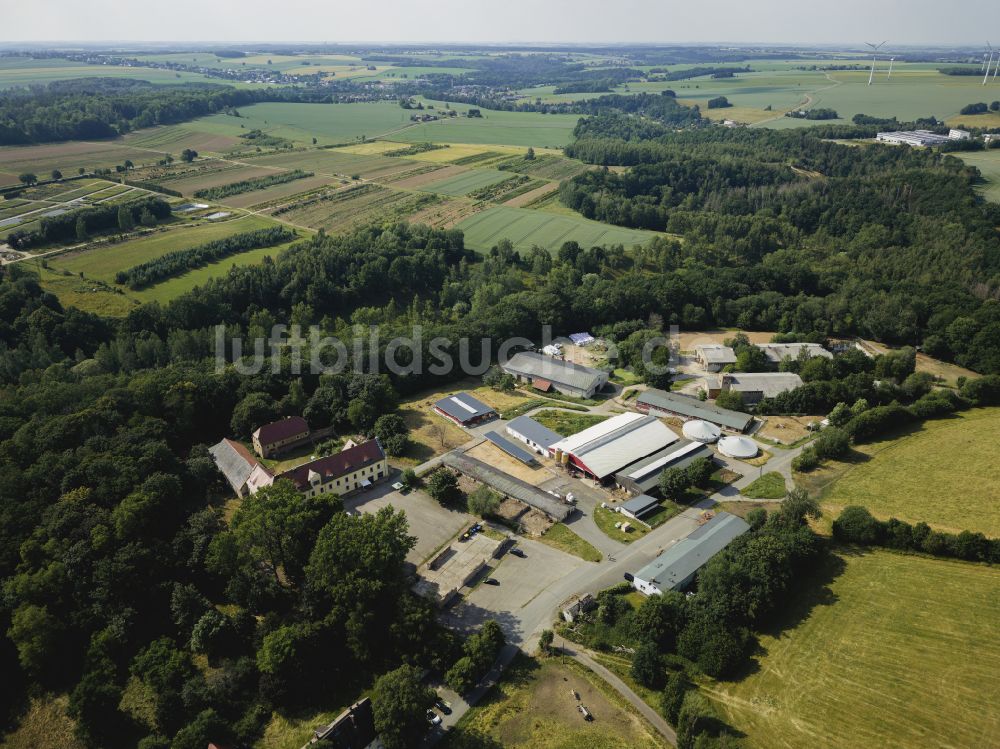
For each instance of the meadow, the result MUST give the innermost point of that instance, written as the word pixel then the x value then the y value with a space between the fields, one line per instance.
pixel 897 651
pixel 526 228
pixel 495 127
pixel 328 123
pixel 939 474
pixel 534 707
pixel 988 162
pixel 103 262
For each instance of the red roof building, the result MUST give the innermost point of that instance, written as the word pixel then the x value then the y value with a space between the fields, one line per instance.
pixel 349 470
pixel 281 435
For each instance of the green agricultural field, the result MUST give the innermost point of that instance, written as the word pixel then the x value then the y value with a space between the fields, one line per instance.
pixel 328 123
pixel 898 652
pixel 334 162
pixel 463 184
pixel 18 71
pixel 525 228
pixel 533 706
pixel 102 263
pixel 495 127
pixel 937 474
pixel 988 162
pixel 68 156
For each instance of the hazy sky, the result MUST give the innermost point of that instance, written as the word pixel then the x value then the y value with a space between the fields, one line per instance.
pixel 787 21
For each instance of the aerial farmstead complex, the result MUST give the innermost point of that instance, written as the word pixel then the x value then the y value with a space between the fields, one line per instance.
pixel 375 395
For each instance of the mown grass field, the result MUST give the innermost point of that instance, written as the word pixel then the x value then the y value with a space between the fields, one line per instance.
pixel 337 162
pixel 328 123
pixel 533 706
pixel 525 227
pixel 502 128
pixel 103 262
pixel 898 652
pixel 988 162
pixel 942 474
pixel 463 184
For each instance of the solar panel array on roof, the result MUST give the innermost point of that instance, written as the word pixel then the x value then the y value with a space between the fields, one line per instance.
pixel 510 448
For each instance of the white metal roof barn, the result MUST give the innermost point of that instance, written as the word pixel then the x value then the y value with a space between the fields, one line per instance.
pixel 737 447
pixel 613 444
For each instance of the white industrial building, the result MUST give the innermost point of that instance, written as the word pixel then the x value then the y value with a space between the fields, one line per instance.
pixel 611 445
pixel 918 138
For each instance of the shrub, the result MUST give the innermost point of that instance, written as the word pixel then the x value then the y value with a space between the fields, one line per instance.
pixel 805 461
pixel 832 442
pixel 647 667
pixel 857 526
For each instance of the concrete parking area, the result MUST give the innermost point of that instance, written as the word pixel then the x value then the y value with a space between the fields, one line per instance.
pixel 432 524
pixel 529 590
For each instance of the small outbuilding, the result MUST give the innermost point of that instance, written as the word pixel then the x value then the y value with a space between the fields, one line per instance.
pixel 639 507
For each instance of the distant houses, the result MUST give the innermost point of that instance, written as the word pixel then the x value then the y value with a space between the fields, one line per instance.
pixel 280 436
pixel 566 377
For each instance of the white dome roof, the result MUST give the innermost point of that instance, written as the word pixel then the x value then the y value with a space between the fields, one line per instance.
pixel 737 447
pixel 701 431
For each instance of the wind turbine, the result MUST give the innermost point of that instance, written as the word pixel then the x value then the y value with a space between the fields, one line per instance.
pixel 989 62
pixel 891 61
pixel 875 49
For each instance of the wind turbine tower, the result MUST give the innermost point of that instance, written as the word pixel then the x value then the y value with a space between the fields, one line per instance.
pixel 989 62
pixel 875 49
pixel 891 61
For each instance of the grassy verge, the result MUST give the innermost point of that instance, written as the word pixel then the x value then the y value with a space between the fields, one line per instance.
pixel 769 486
pixel 561 537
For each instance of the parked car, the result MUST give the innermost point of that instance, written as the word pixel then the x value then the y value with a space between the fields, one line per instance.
pixel 518 553
pixel 433 718
pixel 491 581
pixel 443 705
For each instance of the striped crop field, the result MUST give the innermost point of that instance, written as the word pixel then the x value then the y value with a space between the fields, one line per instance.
pixel 463 184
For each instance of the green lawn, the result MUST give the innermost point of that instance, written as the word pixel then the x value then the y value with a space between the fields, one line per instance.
pixel 900 652
pixel 561 537
pixel 605 519
pixel 567 423
pixel 525 228
pixel 942 474
pixel 769 486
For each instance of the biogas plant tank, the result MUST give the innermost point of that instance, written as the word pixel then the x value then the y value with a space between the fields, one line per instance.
pixel 701 431
pixel 737 447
